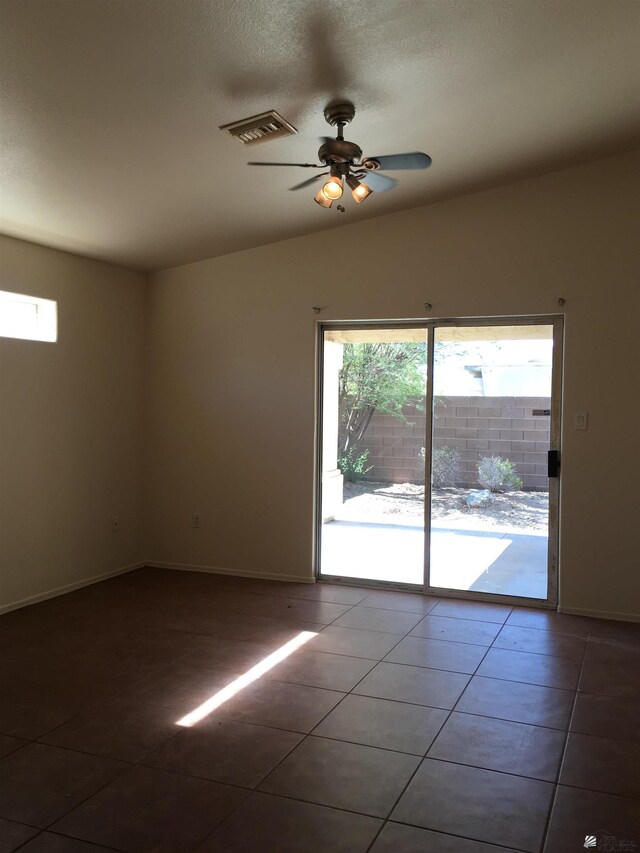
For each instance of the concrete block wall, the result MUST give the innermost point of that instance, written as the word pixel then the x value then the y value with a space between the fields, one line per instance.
pixel 476 426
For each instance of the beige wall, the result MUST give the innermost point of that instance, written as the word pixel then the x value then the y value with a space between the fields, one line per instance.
pixel 70 418
pixel 232 347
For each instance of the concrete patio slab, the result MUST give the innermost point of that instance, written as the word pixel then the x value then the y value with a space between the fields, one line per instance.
pixel 496 561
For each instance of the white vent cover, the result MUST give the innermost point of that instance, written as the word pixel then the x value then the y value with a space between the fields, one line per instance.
pixel 260 128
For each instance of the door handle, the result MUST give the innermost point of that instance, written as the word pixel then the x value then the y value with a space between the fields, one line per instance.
pixel 553 463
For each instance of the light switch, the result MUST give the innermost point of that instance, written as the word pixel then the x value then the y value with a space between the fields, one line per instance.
pixel 581 420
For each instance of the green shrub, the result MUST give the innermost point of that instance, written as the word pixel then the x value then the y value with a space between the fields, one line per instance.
pixel 445 466
pixel 353 466
pixel 498 475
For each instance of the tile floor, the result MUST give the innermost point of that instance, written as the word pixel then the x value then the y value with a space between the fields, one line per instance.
pixel 407 724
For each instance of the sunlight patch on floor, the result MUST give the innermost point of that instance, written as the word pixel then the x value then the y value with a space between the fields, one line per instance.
pixel 244 680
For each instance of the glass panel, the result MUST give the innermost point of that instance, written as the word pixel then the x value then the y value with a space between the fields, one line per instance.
pixel 373 454
pixel 27 317
pixel 491 429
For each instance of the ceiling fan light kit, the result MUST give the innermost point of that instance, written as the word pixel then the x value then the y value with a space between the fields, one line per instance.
pixel 358 191
pixel 333 187
pixel 322 199
pixel 347 165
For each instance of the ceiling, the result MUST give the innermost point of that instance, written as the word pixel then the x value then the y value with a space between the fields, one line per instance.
pixel 111 110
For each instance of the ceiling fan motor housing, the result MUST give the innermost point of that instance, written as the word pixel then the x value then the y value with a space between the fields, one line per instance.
pixel 339 151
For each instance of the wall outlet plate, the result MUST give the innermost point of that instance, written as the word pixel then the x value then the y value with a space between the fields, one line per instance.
pixel 581 420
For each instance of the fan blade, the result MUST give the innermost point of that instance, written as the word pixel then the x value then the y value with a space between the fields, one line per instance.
pixel 377 182
pixel 303 165
pixel 413 160
pixel 308 181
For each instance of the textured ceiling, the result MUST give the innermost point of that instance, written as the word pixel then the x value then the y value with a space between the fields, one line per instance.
pixel 111 109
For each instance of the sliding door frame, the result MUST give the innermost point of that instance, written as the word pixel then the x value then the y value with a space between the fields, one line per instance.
pixel 555 427
pixel 555 431
pixel 321 329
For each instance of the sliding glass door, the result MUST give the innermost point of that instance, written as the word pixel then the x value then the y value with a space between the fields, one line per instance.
pixel 437 441
pixel 373 454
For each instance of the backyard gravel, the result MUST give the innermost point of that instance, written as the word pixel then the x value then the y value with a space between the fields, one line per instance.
pixel 404 502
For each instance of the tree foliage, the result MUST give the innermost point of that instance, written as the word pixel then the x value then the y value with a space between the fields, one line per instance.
pixel 382 377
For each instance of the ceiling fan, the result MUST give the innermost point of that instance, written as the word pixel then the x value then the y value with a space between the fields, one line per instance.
pixel 346 164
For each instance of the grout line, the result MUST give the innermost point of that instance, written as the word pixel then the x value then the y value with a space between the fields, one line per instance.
pixel 554 794
pixel 166 666
pixel 445 835
pixel 310 733
pixel 413 775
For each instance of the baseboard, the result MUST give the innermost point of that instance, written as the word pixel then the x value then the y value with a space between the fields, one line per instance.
pixel 601 614
pixel 240 573
pixel 61 590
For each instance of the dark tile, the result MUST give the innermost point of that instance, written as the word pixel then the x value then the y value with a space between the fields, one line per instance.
pixel 606 716
pixel 375 619
pixel 493 807
pixel 476 610
pixel 320 591
pixel 280 607
pixel 227 653
pixel 283 706
pixel 544 670
pixel 10 744
pixel 180 688
pixel 602 764
pixel 456 630
pixel 98 672
pixel 608 679
pixel 409 602
pixel 354 641
pixel 322 612
pixel 246 627
pixel 321 669
pixel 522 703
pixel 549 620
pixel 12 835
pixel 343 775
pixel 39 783
pixel 225 751
pixel 318 608
pixel 540 642
pixel 379 722
pixel 49 842
pixel 29 710
pixel 399 838
pixel 625 632
pixel 148 809
pixel 577 813
pixel 437 654
pixel 265 629
pixel 116 729
pixel 266 823
pixel 337 593
pixel 434 687
pixel 616 652
pixel 516 748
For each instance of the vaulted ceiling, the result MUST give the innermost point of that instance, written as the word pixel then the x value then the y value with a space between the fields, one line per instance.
pixel 111 110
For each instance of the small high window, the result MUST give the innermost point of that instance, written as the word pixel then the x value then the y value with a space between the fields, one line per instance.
pixel 28 317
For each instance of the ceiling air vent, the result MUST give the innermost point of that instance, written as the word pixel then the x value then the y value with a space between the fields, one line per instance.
pixel 260 128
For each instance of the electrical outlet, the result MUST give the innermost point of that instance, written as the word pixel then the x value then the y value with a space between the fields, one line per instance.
pixel 115 524
pixel 196 520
